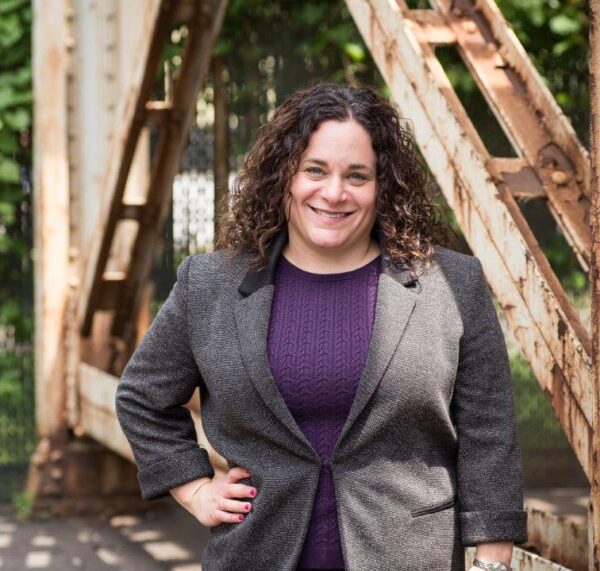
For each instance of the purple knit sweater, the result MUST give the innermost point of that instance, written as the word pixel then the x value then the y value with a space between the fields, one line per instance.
pixel 319 335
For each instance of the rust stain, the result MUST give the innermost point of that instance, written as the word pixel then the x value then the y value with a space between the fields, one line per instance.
pixel 561 328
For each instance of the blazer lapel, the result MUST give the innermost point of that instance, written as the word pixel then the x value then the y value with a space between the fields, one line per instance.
pixel 395 302
pixel 252 315
pixel 393 308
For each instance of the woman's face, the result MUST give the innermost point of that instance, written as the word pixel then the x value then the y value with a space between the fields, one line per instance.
pixel 337 175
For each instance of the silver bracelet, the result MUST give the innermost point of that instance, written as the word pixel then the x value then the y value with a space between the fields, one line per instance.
pixel 495 565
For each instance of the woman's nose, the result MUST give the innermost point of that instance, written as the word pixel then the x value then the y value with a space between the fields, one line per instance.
pixel 334 188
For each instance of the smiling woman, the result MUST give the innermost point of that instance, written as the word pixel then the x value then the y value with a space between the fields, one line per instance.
pixel 352 369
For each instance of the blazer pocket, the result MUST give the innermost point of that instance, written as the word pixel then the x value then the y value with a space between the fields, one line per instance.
pixel 434 508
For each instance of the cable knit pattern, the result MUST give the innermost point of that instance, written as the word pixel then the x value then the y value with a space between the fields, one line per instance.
pixel 319 333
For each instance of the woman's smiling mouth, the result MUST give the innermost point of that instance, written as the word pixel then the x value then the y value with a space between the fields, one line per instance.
pixel 332 215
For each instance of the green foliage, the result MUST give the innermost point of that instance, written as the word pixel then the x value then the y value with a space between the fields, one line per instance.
pixel 565 264
pixel 17 420
pixel 17 407
pixel 15 162
pixel 23 503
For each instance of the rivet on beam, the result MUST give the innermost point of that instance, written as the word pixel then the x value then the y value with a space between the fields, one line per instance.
pixel 560 177
pixel 470 26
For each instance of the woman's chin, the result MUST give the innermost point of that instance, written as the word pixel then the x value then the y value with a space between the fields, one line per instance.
pixel 327 242
pixel 334 236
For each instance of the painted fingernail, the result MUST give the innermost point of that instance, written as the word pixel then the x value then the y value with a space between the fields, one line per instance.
pixel 247 507
pixel 241 517
pixel 252 492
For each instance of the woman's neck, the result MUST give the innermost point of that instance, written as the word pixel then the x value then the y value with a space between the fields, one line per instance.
pixel 330 262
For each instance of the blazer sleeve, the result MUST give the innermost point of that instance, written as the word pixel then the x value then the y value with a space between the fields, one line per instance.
pixel 489 469
pixel 158 380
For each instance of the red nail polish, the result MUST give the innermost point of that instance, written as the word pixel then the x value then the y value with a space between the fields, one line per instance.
pixel 252 493
pixel 247 507
pixel 241 517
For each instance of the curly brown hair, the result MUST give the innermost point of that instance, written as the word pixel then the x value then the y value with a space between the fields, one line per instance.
pixel 408 219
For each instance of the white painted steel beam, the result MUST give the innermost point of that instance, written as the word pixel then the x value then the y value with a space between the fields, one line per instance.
pixel 51 210
pixel 97 391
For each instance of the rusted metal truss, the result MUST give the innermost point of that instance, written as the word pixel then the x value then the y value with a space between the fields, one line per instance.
pixel 481 189
pixel 523 560
pixel 559 538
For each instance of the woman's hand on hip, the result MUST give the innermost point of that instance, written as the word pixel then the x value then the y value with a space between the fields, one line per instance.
pixel 217 500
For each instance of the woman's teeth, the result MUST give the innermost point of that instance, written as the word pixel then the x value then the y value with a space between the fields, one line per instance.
pixel 327 215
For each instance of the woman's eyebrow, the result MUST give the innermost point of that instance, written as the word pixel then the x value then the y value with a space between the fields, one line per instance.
pixel 352 166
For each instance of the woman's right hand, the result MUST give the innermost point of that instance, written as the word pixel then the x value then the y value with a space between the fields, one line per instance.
pixel 217 500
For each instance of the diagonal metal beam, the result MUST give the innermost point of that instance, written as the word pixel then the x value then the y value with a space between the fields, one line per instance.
pixel 204 26
pixel 131 119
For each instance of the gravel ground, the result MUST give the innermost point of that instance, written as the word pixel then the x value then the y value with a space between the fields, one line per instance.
pixel 166 538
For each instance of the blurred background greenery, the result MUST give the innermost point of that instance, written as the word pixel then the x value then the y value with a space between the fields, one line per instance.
pixel 269 49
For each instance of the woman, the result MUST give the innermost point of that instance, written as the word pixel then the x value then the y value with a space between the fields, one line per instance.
pixel 352 370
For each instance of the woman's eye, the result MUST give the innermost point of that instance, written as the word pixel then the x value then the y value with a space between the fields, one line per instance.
pixel 317 170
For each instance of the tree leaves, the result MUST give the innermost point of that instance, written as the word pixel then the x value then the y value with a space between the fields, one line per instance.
pixel 9 172
pixel 565 24
pixel 16 102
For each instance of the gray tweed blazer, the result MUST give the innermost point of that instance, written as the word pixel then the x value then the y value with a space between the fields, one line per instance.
pixel 428 461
